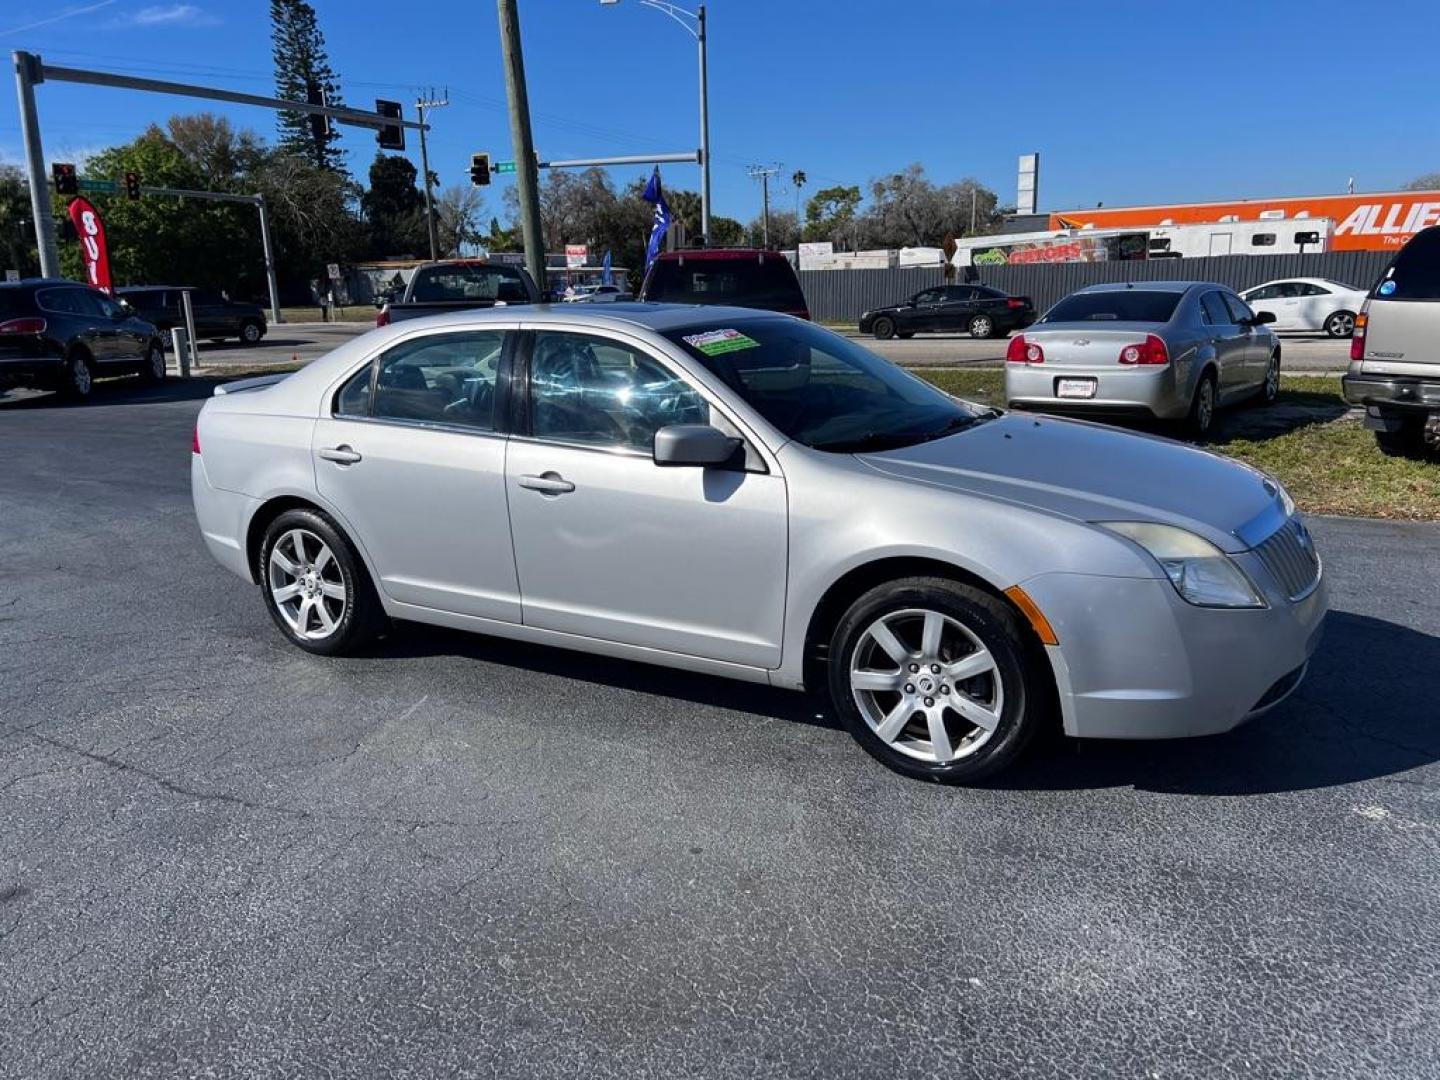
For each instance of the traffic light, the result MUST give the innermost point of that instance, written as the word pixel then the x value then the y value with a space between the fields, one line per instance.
pixel 480 169
pixel 391 136
pixel 132 185
pixel 320 128
pixel 66 182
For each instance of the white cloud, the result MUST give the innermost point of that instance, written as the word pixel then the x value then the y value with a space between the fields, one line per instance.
pixel 169 15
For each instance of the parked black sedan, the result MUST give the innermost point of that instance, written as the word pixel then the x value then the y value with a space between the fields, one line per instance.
pixel 60 335
pixel 977 310
pixel 216 316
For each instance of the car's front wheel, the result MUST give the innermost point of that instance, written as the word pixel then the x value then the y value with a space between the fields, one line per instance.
pixel 937 679
pixel 1341 324
pixel 250 332
pixel 883 328
pixel 315 585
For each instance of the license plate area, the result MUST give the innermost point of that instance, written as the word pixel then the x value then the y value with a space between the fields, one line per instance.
pixel 1075 388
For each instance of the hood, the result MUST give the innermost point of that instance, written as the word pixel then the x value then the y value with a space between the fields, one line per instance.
pixel 1089 472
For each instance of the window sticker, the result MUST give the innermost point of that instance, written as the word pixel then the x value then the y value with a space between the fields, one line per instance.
pixel 1387 288
pixel 716 342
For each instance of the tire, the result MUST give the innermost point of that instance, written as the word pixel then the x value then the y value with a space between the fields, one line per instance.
pixel 1340 325
pixel 896 726
pixel 77 377
pixel 1201 420
pixel 153 370
pixel 883 328
pixel 1270 388
pixel 1409 441
pixel 982 326
pixel 251 332
pixel 333 609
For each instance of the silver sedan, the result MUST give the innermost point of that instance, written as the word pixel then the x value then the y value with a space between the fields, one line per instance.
pixel 1170 350
pixel 748 495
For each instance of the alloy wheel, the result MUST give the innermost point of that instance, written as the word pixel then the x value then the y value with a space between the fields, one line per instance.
pixel 307 585
pixel 81 380
pixel 926 685
pixel 1205 406
pixel 980 327
pixel 1341 324
pixel 1272 379
pixel 157 362
pixel 250 333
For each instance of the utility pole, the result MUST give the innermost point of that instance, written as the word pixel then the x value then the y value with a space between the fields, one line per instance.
pixel 527 172
pixel 420 106
pixel 763 174
pixel 704 128
pixel 27 73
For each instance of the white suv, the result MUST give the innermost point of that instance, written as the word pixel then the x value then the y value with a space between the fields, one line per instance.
pixel 1395 353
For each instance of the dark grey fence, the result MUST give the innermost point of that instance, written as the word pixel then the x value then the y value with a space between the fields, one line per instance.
pixel 841 295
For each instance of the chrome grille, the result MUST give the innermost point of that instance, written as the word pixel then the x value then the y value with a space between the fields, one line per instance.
pixel 1289 554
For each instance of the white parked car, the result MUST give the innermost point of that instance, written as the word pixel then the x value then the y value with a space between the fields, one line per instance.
pixel 1309 304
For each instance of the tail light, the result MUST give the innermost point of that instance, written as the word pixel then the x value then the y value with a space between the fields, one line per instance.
pixel 1151 351
pixel 382 318
pixel 1357 339
pixel 1020 351
pixel 195 440
pixel 1013 303
pixel 23 326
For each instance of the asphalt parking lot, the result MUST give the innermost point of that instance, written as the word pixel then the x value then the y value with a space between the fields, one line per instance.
pixel 306 341
pixel 221 856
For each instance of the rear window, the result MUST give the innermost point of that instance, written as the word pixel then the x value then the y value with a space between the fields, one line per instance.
pixel 744 282
pixel 1415 273
pixel 1119 305
pixel 483 284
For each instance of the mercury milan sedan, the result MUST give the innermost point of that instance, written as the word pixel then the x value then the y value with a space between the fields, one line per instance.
pixel 748 495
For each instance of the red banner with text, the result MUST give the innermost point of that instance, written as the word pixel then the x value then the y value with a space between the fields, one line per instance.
pixel 91 232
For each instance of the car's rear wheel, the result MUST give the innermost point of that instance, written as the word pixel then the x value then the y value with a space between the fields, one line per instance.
pixel 883 328
pixel 1202 407
pixel 153 370
pixel 1341 324
pixel 77 379
pixel 982 326
pixel 315 585
pixel 1407 441
pixel 1270 388
pixel 936 679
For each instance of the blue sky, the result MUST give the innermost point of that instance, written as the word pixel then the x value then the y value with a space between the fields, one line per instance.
pixel 1127 102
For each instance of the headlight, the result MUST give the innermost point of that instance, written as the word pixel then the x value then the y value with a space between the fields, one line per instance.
pixel 1201 573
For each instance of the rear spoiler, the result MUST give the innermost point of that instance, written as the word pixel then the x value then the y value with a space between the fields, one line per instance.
pixel 239 386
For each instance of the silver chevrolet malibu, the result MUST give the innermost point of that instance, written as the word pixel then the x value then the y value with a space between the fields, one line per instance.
pixel 747 495
pixel 1172 350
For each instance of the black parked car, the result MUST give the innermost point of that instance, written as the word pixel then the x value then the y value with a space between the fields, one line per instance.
pixel 60 335
pixel 216 317
pixel 977 310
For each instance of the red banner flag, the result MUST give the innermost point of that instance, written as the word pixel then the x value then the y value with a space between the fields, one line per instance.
pixel 91 231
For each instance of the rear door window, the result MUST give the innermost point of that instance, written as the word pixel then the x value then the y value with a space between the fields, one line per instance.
pixel 1415 272
pixel 1239 311
pixel 1213 308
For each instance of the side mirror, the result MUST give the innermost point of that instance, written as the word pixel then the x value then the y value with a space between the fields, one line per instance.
pixel 695 445
pixel 1262 317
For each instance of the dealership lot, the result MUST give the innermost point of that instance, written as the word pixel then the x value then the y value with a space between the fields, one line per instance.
pixel 455 855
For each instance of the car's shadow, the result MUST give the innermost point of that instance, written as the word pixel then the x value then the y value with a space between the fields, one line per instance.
pixel 1365 711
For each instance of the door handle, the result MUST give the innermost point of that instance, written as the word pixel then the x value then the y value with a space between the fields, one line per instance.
pixel 549 483
pixel 341 455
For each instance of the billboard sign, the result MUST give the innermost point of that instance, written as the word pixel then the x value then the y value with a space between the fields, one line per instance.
pixel 576 255
pixel 1062 249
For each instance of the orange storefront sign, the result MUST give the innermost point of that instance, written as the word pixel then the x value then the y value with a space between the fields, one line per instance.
pixel 1369 222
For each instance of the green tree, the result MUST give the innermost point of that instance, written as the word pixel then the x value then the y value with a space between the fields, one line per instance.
pixel 302 67
pixel 394 208
pixel 1428 182
pixel 830 213
pixel 17 232
pixel 725 231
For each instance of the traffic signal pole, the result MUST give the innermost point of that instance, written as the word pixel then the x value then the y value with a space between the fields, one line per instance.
pixel 527 175
pixel 26 72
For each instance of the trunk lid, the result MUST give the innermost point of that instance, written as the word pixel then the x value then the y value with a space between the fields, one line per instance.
pixel 1088 344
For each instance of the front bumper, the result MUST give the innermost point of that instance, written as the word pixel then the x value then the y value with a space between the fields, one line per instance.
pixel 1135 661
pixel 1119 391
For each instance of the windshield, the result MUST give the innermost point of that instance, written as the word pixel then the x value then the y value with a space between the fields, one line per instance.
pixel 478 283
pixel 1115 305
pixel 822 389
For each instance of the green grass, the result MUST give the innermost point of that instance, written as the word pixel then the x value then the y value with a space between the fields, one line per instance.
pixel 357 314
pixel 1309 441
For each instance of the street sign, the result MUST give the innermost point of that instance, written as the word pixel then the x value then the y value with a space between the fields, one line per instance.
pixel 12 275
pixel 503 166
pixel 98 187
pixel 333 269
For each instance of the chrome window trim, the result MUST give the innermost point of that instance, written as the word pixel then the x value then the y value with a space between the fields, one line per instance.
pixel 422 425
